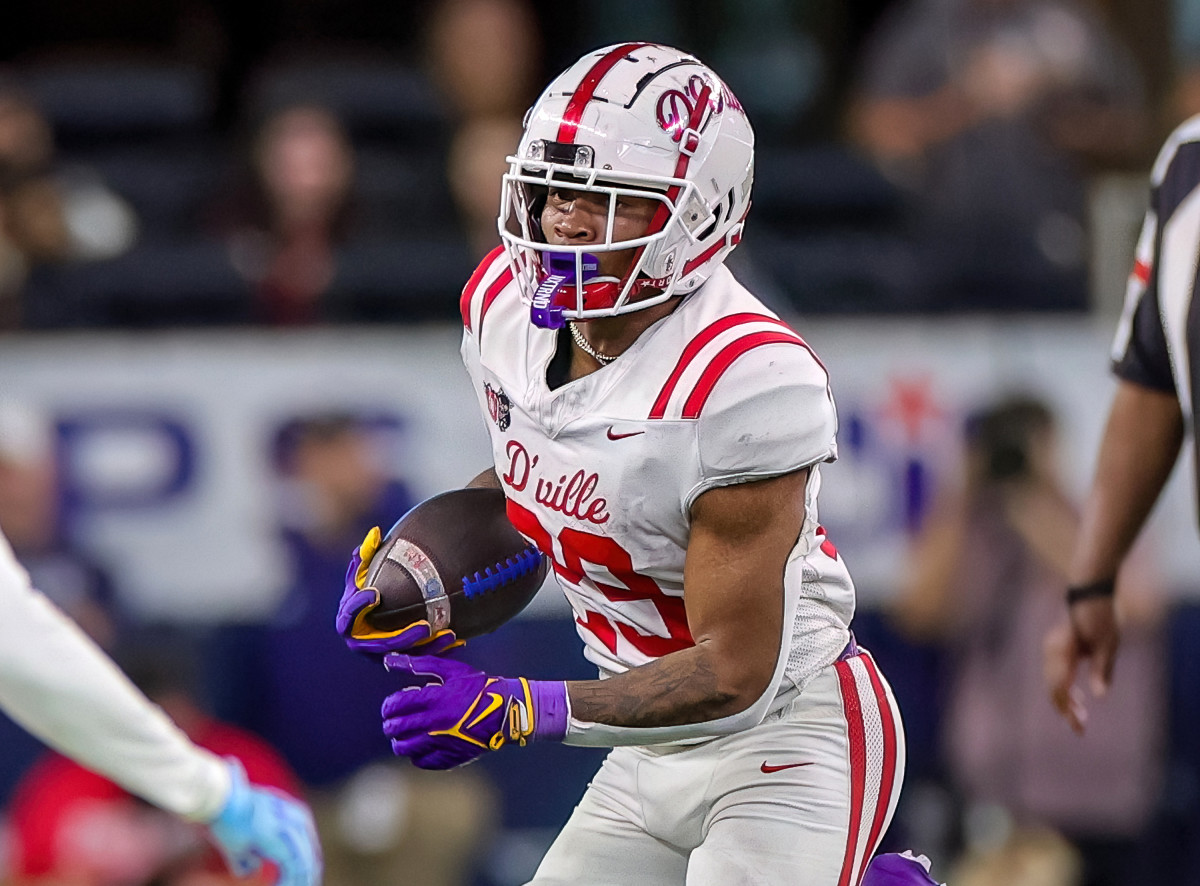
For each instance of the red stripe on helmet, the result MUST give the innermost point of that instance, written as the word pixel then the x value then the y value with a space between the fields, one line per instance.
pixel 681 165
pixel 663 214
pixel 710 252
pixel 733 240
pixel 587 89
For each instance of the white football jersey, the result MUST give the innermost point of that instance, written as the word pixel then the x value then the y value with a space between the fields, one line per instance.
pixel 601 472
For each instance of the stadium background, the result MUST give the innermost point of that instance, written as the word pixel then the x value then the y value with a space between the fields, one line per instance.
pixel 168 394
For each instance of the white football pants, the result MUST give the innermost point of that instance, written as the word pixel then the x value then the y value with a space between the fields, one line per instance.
pixel 802 799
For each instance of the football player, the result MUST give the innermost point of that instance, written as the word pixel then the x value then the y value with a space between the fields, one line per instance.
pixel 61 687
pixel 659 434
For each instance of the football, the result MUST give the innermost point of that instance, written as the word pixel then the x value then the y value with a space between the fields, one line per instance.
pixel 456 561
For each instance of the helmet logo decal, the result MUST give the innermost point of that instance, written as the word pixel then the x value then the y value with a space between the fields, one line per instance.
pixel 689 109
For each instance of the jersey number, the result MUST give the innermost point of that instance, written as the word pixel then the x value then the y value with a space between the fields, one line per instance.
pixel 579 547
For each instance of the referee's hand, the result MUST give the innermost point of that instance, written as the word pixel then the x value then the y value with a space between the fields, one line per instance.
pixel 1091 635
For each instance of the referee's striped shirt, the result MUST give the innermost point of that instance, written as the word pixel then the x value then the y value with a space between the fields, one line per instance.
pixel 1158 339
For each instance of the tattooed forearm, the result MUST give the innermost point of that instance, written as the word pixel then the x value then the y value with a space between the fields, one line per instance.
pixel 682 687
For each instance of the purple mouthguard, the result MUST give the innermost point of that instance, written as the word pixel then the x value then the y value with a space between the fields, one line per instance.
pixel 560 272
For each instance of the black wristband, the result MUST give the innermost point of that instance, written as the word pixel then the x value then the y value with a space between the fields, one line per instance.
pixel 1105 587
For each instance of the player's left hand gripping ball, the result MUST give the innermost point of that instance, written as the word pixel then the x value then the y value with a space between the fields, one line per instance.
pixel 358 601
pixel 453 713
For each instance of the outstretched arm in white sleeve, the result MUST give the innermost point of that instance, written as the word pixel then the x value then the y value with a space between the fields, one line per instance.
pixel 59 685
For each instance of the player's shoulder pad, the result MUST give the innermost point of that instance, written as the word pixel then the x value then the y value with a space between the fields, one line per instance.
pixel 488 280
pixel 749 354
pixel 770 412
pixel 760 397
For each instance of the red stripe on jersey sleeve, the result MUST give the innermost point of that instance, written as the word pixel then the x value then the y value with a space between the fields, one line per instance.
pixel 856 733
pixel 713 372
pixel 1141 271
pixel 586 89
pixel 468 293
pixel 658 410
pixel 490 294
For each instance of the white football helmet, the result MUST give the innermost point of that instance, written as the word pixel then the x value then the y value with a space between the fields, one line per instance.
pixel 631 119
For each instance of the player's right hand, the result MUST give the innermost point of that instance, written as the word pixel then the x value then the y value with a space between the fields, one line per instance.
pixel 358 600
pixel 260 825
pixel 1091 635
pixel 449 713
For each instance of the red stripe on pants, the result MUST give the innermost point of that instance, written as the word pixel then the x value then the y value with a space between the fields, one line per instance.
pixel 852 705
pixel 887 785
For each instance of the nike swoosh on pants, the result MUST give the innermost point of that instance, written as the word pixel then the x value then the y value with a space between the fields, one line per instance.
pixel 768 768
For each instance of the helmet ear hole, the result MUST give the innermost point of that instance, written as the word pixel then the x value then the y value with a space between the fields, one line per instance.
pixel 720 215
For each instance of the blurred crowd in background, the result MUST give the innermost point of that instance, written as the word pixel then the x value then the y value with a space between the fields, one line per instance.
pixel 202 164
pixel 206 162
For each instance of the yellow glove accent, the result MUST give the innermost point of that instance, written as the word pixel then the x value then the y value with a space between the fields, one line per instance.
pixel 493 701
pixel 360 630
pixel 363 631
pixel 517 724
pixel 366 551
pixel 520 716
pixel 443 632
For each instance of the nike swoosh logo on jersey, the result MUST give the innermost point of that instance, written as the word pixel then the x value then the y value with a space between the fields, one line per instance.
pixel 613 435
pixel 768 768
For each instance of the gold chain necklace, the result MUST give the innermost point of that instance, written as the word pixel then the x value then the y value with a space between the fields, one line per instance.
pixel 577 336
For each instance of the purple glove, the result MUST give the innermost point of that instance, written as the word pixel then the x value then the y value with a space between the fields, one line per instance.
pixel 358 601
pixel 451 713
pixel 903 869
